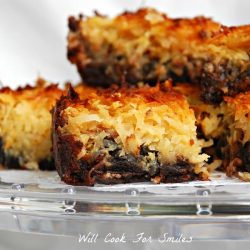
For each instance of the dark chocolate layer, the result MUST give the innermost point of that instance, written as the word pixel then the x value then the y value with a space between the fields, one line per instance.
pixel 227 80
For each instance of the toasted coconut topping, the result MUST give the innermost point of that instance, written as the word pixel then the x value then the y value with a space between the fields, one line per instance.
pixel 25 124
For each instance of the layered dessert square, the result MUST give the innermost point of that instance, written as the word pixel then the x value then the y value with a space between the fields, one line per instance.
pixel 211 123
pixel 236 151
pixel 225 129
pixel 127 135
pixel 148 46
pixel 25 126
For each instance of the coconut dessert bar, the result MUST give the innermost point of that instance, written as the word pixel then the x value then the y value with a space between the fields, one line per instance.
pixel 209 117
pixel 126 135
pixel 211 123
pixel 148 46
pixel 236 151
pixel 25 126
pixel 226 130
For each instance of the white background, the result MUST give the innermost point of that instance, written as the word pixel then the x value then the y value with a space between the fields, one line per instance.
pixel 33 42
pixel 33 32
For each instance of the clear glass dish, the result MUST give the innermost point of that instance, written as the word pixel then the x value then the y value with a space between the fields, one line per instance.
pixel 39 202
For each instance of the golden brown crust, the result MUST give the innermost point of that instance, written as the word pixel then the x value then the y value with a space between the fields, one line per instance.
pixel 233 38
pixel 157 95
pixel 241 104
pixel 47 94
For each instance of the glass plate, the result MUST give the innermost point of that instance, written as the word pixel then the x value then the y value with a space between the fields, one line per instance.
pixel 39 202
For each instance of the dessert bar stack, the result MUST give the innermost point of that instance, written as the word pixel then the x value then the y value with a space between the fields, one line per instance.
pixel 161 100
